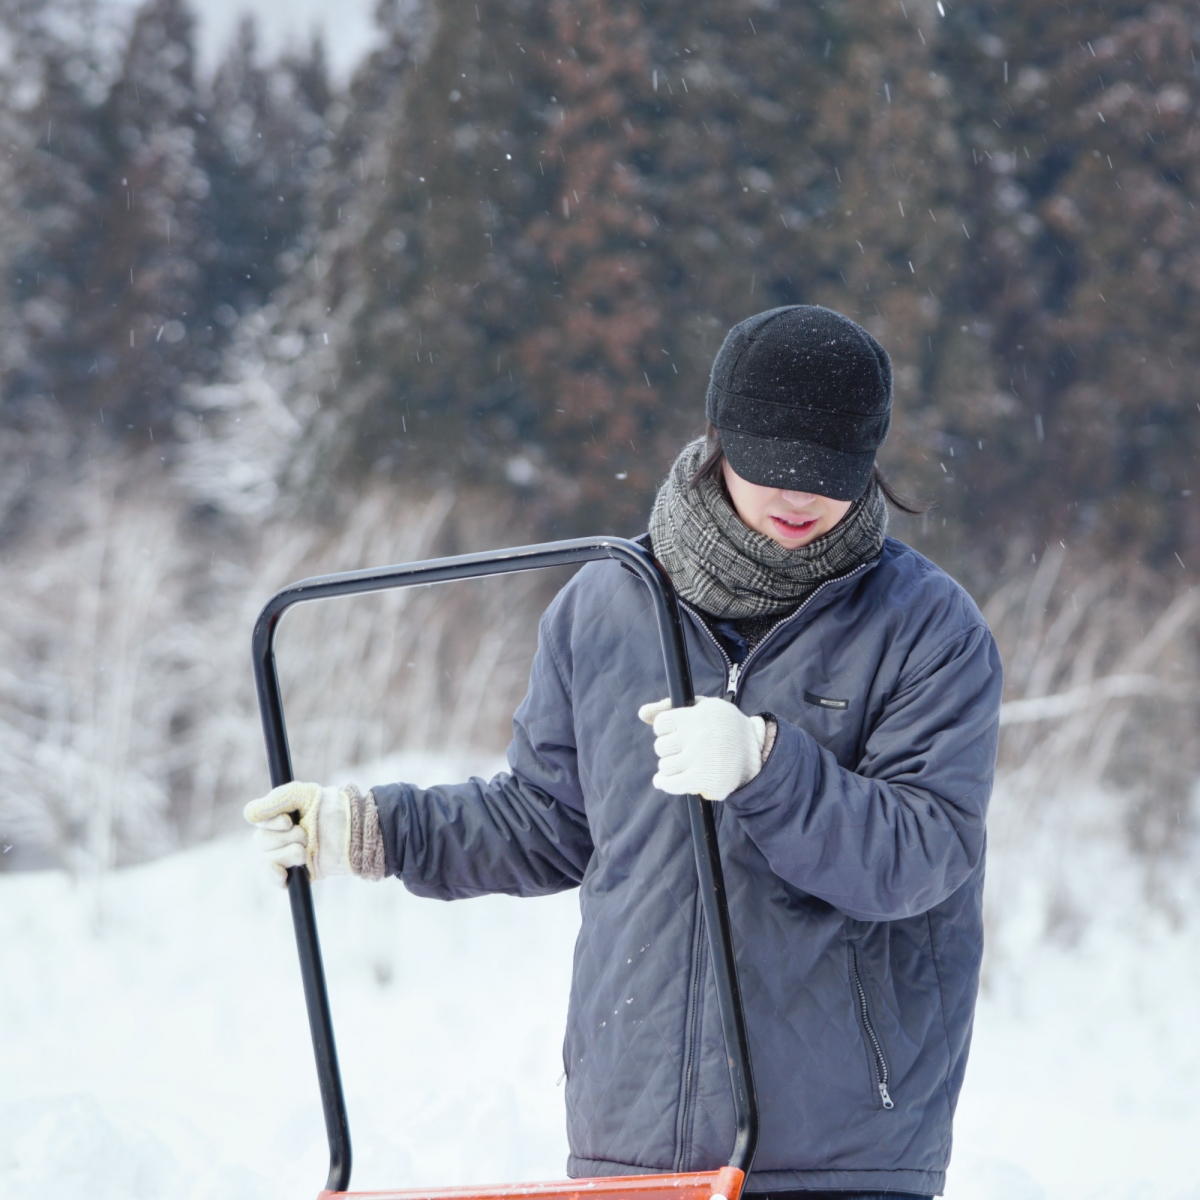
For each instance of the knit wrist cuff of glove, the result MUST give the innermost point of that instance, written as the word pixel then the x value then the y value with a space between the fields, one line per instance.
pixel 769 740
pixel 366 836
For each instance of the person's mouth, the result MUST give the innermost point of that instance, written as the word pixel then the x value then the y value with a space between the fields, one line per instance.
pixel 795 527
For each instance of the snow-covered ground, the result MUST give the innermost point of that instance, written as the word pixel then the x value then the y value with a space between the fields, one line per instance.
pixel 153 1040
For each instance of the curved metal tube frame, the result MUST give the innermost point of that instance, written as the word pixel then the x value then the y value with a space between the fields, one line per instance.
pixel 700 812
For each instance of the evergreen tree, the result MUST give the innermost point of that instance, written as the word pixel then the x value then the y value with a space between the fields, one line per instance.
pixel 445 278
pixel 51 85
pixel 598 367
pixel 144 263
pixel 1084 284
pixel 303 341
pixel 262 145
pixel 809 155
pixel 147 216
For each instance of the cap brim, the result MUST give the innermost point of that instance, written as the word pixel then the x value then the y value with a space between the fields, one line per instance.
pixel 798 466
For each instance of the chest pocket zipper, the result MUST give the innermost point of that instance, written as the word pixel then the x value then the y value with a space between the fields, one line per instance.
pixel 881 1066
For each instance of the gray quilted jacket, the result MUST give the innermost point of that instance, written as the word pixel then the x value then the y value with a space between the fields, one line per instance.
pixel 854 864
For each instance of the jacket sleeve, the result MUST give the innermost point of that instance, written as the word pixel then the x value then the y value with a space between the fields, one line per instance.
pixel 523 833
pixel 904 830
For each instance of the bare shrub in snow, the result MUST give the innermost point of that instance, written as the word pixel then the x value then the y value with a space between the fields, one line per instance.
pixel 128 723
pixel 94 676
pixel 1100 724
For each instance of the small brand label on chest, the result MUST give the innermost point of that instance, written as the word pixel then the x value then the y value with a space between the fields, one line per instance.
pixel 825 701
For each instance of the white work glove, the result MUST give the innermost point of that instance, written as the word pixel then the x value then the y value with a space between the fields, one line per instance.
pixel 321 841
pixel 709 750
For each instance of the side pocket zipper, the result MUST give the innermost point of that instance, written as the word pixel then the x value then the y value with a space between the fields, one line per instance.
pixel 881 1067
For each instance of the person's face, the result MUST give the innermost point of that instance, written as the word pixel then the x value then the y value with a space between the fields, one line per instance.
pixel 793 519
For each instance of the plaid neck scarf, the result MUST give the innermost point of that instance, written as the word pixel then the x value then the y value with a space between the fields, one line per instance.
pixel 727 569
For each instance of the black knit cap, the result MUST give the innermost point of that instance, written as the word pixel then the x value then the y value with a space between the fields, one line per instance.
pixel 803 399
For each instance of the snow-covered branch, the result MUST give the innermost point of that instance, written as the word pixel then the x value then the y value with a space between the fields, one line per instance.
pixel 1110 687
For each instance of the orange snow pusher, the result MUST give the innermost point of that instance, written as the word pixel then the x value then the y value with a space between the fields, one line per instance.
pixel 724 1183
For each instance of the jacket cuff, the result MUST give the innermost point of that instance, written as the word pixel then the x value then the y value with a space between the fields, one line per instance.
pixel 785 756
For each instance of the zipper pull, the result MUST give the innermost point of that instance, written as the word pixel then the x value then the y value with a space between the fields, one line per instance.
pixel 735 669
pixel 888 1102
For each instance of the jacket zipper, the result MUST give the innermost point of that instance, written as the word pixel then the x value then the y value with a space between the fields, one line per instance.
pixel 881 1067
pixel 736 672
pixel 733 678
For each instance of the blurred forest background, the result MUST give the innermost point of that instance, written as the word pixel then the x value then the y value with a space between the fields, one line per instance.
pixel 256 325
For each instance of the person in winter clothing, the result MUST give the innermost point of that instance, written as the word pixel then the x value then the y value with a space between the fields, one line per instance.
pixel 847 720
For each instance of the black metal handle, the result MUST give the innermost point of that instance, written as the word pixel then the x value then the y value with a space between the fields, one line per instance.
pixel 703 825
